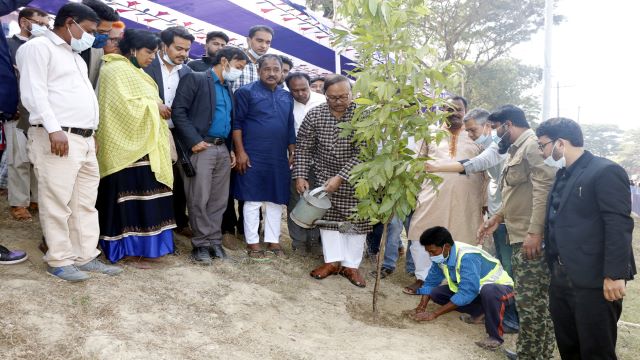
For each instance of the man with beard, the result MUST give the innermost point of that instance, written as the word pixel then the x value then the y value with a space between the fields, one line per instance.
pixel 525 185
pixel 457 202
pixel 216 40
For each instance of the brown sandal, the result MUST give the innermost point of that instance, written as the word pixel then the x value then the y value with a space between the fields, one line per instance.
pixel 20 213
pixel 257 255
pixel 411 289
pixel 324 271
pixel 354 276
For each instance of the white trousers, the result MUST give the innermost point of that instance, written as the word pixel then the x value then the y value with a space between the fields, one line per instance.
pixel 421 259
pixel 345 248
pixel 68 188
pixel 272 219
pixel 22 183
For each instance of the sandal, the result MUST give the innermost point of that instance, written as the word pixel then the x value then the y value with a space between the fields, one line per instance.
pixel 20 213
pixel 354 276
pixel 490 344
pixel 257 255
pixel 325 270
pixel 413 288
pixel 471 320
pixel 278 253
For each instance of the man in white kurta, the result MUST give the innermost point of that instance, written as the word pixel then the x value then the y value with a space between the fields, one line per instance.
pixel 457 202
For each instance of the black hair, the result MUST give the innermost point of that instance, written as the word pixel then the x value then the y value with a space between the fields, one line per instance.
pixel 104 11
pixel 134 39
pixel 217 34
pixel 286 60
pixel 318 78
pixel 461 98
pixel 77 12
pixel 169 34
pixel 229 53
pixel 335 79
pixel 296 75
pixel 437 236
pixel 254 29
pixel 510 112
pixel 266 57
pixel 564 128
pixel 28 12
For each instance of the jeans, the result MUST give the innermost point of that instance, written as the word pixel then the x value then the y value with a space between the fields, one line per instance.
pixel 394 229
pixel 409 266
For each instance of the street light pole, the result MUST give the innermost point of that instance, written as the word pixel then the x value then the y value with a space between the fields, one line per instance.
pixel 548 24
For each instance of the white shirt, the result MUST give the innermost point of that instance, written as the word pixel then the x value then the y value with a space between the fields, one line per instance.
pixel 170 81
pixel 54 85
pixel 300 110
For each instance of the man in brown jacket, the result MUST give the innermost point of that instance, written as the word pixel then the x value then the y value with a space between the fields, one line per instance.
pixel 525 185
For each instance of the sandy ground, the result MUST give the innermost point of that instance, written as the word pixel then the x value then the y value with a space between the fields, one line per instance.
pixel 231 310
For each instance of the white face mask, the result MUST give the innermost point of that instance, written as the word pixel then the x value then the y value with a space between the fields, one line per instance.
pixel 82 44
pixel 232 74
pixel 167 59
pixel 550 161
pixel 38 30
pixel 253 53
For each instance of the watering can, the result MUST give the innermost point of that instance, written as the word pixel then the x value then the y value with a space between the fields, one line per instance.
pixel 310 209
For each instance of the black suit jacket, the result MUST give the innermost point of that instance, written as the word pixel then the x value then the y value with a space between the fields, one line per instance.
pixel 593 224
pixel 155 71
pixel 193 108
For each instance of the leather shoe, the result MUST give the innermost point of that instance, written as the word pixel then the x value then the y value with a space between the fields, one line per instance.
pixel 511 355
pixel 354 276
pixel 218 252
pixel 325 270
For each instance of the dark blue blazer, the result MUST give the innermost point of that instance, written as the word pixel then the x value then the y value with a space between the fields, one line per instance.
pixel 193 108
pixel 593 224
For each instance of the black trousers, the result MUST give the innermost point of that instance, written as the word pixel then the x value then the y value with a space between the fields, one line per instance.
pixel 179 199
pixel 585 322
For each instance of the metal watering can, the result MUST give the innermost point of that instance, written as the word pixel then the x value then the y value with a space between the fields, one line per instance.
pixel 310 209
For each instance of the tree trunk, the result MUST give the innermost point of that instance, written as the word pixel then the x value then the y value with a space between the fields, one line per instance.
pixel 383 245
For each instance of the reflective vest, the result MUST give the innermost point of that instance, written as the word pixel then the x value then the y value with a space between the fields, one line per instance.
pixel 497 275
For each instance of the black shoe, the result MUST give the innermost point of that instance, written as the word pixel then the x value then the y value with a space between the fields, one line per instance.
pixel 384 272
pixel 509 330
pixel 201 255
pixel 217 251
pixel 511 355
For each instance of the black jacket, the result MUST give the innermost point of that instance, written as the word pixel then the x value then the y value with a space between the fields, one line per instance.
pixel 593 224
pixel 203 64
pixel 155 71
pixel 193 107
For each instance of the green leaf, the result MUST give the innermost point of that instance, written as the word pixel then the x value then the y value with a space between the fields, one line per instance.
pixel 373 6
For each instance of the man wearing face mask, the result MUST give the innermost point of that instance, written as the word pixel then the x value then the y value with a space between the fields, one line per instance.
pixel 202 112
pixel 525 185
pixel 587 241
pixel 63 109
pixel 93 55
pixel 476 284
pixel 22 185
pixel 457 201
pixel 167 69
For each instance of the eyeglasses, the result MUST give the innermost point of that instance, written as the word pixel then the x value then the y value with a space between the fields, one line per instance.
pixel 338 98
pixel 542 146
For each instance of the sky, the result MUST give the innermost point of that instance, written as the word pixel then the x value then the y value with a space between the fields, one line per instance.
pixel 595 60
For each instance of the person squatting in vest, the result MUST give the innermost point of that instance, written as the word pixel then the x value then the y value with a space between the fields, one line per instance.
pixel 477 285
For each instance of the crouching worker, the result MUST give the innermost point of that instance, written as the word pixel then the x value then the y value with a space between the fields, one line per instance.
pixel 477 285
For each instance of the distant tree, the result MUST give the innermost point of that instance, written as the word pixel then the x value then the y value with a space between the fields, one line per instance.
pixel 629 155
pixel 324 6
pixel 504 81
pixel 602 139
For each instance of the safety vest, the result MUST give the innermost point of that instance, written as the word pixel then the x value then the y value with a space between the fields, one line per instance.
pixel 496 276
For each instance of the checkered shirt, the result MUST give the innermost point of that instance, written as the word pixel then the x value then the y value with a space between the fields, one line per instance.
pixel 320 146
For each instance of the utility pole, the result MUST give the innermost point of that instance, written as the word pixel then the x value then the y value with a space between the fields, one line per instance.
pixel 548 24
pixel 558 98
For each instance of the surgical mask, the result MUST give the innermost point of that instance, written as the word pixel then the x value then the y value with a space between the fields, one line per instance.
pixel 167 59
pixel 253 53
pixel 82 44
pixel 439 259
pixel 232 74
pixel 100 41
pixel 38 30
pixel 134 60
pixel 484 140
pixel 550 161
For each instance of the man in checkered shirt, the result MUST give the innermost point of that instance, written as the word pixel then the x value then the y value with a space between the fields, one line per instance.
pixel 332 157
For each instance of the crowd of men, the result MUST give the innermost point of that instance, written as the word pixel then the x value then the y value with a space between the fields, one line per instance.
pixel 245 135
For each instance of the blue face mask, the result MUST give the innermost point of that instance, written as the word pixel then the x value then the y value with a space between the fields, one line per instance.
pixel 100 41
pixel 439 259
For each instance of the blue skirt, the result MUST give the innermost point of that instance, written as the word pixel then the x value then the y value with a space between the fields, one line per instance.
pixel 136 214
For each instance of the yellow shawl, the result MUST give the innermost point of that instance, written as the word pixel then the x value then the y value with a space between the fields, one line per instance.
pixel 130 123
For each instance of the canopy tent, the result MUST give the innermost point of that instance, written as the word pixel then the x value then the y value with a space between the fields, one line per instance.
pixel 299 33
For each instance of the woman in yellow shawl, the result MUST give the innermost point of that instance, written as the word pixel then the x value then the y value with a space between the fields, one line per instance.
pixel 136 178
